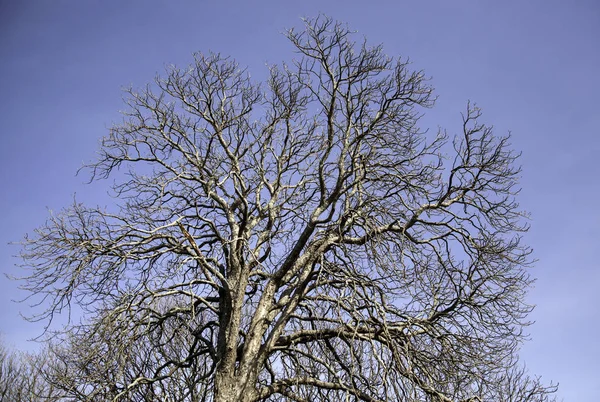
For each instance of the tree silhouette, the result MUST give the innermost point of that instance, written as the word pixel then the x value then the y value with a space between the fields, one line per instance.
pixel 299 240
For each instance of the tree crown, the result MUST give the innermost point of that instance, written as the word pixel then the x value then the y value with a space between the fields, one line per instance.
pixel 298 240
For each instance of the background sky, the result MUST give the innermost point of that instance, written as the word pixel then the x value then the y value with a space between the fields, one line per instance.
pixel 532 66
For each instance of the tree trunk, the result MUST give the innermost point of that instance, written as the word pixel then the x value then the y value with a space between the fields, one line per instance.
pixel 232 388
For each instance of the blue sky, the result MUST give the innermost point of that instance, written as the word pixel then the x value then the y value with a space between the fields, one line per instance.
pixel 532 66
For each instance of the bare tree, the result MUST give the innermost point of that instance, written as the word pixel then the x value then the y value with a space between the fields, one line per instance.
pixel 23 378
pixel 11 373
pixel 304 239
pixel 98 364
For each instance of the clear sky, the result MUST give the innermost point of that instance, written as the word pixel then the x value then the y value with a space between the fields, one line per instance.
pixel 533 66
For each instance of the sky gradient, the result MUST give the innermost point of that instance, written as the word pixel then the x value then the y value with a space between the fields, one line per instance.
pixel 532 66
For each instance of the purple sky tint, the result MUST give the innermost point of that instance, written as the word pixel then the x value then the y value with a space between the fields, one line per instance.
pixel 531 65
